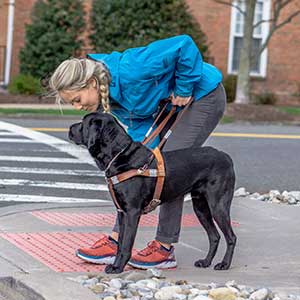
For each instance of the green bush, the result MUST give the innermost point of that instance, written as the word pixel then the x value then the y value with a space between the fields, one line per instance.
pixel 121 24
pixel 52 36
pixel 267 98
pixel 25 84
pixel 230 83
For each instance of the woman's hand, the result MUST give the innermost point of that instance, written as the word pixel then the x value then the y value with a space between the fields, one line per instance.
pixel 180 101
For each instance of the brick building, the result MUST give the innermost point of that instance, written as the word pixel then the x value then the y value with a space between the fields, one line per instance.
pixel 277 70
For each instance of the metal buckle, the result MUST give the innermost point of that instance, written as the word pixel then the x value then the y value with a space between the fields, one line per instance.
pixel 114 180
pixel 151 206
pixel 142 169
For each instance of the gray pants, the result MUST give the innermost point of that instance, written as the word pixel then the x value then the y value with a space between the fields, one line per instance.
pixel 196 124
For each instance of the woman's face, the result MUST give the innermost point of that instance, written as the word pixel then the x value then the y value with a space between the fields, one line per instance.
pixel 84 99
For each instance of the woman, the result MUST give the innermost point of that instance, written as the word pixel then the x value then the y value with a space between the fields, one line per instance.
pixel 131 85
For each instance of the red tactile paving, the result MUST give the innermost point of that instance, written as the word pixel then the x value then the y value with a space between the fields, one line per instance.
pixel 56 249
pixel 94 219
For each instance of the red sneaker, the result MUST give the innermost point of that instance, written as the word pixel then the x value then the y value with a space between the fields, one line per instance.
pixel 154 256
pixel 102 252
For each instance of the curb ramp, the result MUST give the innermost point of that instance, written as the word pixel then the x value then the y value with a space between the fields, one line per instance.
pixel 13 289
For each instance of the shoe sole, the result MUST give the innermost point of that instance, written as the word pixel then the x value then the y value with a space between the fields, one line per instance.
pixel 163 265
pixel 100 261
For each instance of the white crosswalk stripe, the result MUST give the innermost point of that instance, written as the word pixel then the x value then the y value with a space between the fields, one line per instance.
pixel 59 160
pixel 51 171
pixel 13 140
pixel 34 198
pixel 79 156
pixel 7 133
pixel 57 185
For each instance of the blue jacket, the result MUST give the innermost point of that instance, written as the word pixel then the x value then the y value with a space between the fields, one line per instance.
pixel 143 76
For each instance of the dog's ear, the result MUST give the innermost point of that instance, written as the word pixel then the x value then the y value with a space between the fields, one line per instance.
pixel 75 133
pixel 94 137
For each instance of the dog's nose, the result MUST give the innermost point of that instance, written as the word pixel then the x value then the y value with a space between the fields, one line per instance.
pixel 70 134
pixel 75 133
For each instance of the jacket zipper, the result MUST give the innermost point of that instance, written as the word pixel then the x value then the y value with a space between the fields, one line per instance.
pixel 130 119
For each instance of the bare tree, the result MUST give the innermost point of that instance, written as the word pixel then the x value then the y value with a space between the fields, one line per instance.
pixel 246 57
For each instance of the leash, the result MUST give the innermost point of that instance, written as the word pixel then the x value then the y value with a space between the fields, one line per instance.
pixel 159 172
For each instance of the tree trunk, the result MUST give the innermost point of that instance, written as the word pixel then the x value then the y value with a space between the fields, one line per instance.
pixel 243 81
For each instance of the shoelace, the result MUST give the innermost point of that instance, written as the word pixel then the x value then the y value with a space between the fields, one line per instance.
pixel 151 247
pixel 101 242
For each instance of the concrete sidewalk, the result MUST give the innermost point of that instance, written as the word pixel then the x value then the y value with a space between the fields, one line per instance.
pixel 38 241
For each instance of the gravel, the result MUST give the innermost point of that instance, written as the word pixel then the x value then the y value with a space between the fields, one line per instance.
pixel 141 285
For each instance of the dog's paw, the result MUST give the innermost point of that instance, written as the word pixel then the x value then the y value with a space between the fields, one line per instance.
pixel 202 263
pixel 111 269
pixel 222 266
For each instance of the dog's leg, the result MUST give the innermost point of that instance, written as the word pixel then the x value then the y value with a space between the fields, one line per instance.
pixel 202 211
pixel 221 215
pixel 128 228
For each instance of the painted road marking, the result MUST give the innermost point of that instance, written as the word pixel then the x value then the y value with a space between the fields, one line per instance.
pixel 41 159
pixel 35 198
pixel 18 141
pixel 50 129
pixel 216 134
pixel 51 171
pixel 80 154
pixel 53 184
pixel 5 133
pixel 64 146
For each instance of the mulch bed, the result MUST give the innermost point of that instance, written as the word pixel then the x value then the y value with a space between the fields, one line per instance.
pixel 12 99
pixel 259 113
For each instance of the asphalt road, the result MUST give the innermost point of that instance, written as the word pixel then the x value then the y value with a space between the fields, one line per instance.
pixel 34 167
pixel 261 164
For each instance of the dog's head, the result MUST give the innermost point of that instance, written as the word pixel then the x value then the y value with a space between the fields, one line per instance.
pixel 97 131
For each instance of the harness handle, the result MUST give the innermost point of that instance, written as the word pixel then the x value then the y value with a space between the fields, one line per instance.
pixel 180 114
pixel 162 125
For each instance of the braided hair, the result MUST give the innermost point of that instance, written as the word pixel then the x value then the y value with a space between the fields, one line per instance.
pixel 76 73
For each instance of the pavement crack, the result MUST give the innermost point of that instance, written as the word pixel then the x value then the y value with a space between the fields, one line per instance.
pixel 13 264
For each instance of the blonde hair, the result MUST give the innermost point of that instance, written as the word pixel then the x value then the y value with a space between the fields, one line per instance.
pixel 75 74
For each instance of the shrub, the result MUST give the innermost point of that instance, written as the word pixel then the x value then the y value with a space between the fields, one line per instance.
pixel 230 83
pixel 267 98
pixel 25 84
pixel 121 24
pixel 52 36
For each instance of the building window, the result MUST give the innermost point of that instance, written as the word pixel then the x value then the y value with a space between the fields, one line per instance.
pixel 262 12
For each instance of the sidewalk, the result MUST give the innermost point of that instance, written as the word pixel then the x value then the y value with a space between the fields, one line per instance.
pixel 37 244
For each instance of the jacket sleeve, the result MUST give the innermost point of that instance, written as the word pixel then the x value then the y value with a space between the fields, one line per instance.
pixel 178 55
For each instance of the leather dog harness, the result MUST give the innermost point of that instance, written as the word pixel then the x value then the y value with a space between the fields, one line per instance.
pixel 159 172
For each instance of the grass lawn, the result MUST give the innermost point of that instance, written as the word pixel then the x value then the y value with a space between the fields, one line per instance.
pixel 292 110
pixel 34 111
pixel 226 120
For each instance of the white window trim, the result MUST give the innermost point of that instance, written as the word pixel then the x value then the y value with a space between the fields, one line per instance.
pixel 265 30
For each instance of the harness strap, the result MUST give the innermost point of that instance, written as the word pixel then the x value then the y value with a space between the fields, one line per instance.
pixel 159 183
pixel 113 195
pixel 144 171
pixel 160 127
pixel 156 119
pixel 159 173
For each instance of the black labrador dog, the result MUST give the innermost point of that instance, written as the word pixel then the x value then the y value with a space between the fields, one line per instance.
pixel 204 172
